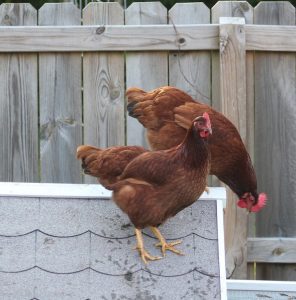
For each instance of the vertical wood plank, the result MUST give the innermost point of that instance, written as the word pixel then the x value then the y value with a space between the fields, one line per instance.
pixel 233 106
pixel 244 10
pixel 18 103
pixel 144 70
pixel 241 9
pixel 103 84
pixel 60 102
pixel 275 136
pixel 191 71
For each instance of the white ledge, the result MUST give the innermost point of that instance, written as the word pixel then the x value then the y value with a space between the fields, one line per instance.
pixel 261 285
pixel 59 190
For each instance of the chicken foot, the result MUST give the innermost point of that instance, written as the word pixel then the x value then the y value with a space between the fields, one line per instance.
pixel 140 247
pixel 164 244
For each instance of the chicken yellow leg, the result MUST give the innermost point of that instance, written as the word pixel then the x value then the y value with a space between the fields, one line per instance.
pixel 140 247
pixel 163 243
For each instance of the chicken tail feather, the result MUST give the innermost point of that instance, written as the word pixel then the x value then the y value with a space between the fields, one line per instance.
pixel 88 156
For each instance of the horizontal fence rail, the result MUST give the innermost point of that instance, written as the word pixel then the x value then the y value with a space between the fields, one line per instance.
pixel 272 250
pixel 139 38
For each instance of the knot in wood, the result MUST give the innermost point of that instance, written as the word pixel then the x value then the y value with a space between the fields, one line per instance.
pixel 244 6
pixel 223 42
pixel 114 93
pixel 181 41
pixel 278 251
pixel 6 20
pixel 100 29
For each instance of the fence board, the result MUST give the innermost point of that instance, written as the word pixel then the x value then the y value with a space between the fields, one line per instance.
pixel 272 250
pixel 235 258
pixel 275 137
pixel 233 105
pixel 18 103
pixel 191 71
pixel 103 80
pixel 108 38
pixel 60 102
pixel 144 70
pixel 240 9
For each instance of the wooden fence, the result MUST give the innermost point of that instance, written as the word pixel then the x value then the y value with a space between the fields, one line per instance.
pixel 63 84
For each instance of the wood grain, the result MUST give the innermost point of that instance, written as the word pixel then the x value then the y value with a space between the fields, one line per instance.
pixel 108 38
pixel 138 38
pixel 240 9
pixel 271 38
pixel 191 71
pixel 60 103
pixel 144 70
pixel 103 85
pixel 18 103
pixel 233 106
pixel 275 137
pixel 234 9
pixel 233 223
pixel 272 250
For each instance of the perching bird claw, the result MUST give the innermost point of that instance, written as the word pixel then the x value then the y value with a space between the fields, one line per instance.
pixel 140 247
pixel 146 256
pixel 169 246
pixel 163 243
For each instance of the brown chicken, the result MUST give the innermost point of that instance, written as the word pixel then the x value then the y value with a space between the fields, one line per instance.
pixel 107 164
pixel 154 185
pixel 167 113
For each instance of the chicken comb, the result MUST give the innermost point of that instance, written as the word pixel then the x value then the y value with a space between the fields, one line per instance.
pixel 207 117
pixel 262 198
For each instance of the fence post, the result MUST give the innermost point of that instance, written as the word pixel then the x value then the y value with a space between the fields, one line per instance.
pixel 233 105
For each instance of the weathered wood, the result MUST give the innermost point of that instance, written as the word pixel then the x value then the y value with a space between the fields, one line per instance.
pixel 233 105
pixel 260 289
pixel 271 38
pixel 244 10
pixel 18 103
pixel 191 71
pixel 99 237
pixel 108 38
pixel 60 103
pixel 241 9
pixel 138 38
pixel 145 70
pixel 275 137
pixel 272 250
pixel 103 85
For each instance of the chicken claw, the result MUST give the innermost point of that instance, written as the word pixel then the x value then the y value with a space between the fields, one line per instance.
pixel 163 243
pixel 140 247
